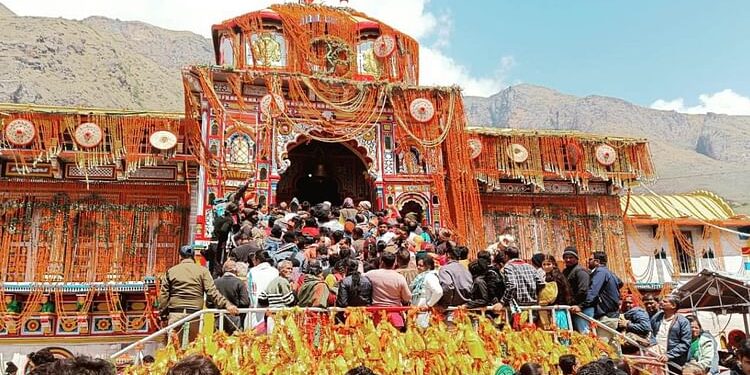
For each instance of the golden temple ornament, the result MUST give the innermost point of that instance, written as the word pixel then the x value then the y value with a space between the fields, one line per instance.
pixel 384 45
pixel 265 104
pixel 475 147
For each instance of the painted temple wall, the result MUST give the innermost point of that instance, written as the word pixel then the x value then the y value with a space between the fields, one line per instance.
pixel 547 223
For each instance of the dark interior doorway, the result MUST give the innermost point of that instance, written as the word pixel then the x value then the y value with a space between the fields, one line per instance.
pixel 412 206
pixel 324 172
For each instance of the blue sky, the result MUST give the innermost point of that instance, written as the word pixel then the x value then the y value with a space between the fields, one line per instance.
pixel 691 56
pixel 640 51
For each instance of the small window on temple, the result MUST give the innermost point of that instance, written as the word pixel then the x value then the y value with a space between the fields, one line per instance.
pixel 746 230
pixel 660 254
pixel 214 127
pixel 226 51
pixel 240 149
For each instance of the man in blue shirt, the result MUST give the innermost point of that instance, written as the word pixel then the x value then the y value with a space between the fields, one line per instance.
pixel 603 296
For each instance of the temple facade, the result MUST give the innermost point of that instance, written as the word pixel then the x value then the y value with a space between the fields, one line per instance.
pixel 310 102
pixel 93 204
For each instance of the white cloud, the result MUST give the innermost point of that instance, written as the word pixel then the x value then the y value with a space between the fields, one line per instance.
pixel 671 105
pixel 437 69
pixel 725 102
pixel 408 16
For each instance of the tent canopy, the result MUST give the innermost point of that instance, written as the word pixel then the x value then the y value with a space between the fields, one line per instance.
pixel 712 290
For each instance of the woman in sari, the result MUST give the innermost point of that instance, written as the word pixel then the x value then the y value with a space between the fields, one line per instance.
pixel 556 292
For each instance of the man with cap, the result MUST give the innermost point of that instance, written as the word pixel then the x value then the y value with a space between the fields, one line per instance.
pixel 364 208
pixel 579 279
pixel 182 289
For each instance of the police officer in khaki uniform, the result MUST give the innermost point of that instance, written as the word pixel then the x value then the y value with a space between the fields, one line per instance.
pixel 182 290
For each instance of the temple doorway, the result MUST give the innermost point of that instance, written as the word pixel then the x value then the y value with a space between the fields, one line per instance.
pixel 324 172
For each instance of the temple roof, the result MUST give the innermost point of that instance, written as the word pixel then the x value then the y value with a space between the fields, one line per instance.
pixel 534 156
pixel 703 205
pixel 318 40
pixel 547 133
pixel 51 109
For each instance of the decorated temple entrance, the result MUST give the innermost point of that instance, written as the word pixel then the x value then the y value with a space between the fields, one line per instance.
pixel 322 171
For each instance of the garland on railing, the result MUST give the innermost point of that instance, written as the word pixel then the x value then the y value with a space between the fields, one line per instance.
pixel 310 343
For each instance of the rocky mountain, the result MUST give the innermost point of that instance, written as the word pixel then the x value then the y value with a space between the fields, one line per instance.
pixel 5 12
pixel 108 63
pixel 690 151
pixel 95 62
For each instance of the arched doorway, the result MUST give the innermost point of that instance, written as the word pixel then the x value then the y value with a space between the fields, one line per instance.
pixel 413 204
pixel 321 171
pixel 412 207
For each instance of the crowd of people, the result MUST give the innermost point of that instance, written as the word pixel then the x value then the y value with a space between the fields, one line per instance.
pixel 44 363
pixel 322 256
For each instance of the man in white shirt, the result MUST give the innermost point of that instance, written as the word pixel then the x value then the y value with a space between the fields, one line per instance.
pixel 425 288
pixel 673 334
pixel 259 278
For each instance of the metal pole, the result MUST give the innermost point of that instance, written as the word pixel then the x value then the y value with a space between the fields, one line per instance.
pixel 616 333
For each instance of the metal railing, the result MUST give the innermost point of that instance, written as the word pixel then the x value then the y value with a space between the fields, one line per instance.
pixel 645 352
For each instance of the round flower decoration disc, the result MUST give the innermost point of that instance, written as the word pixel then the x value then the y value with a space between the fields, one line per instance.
pixel 285 129
pixel 32 325
pixel 422 110
pixel 384 45
pixel 475 147
pixel 163 140
pixel 605 154
pixel 88 135
pixel 265 103
pixel 20 132
pixel 518 153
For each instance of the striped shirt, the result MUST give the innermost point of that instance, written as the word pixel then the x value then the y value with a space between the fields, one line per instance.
pixel 278 293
